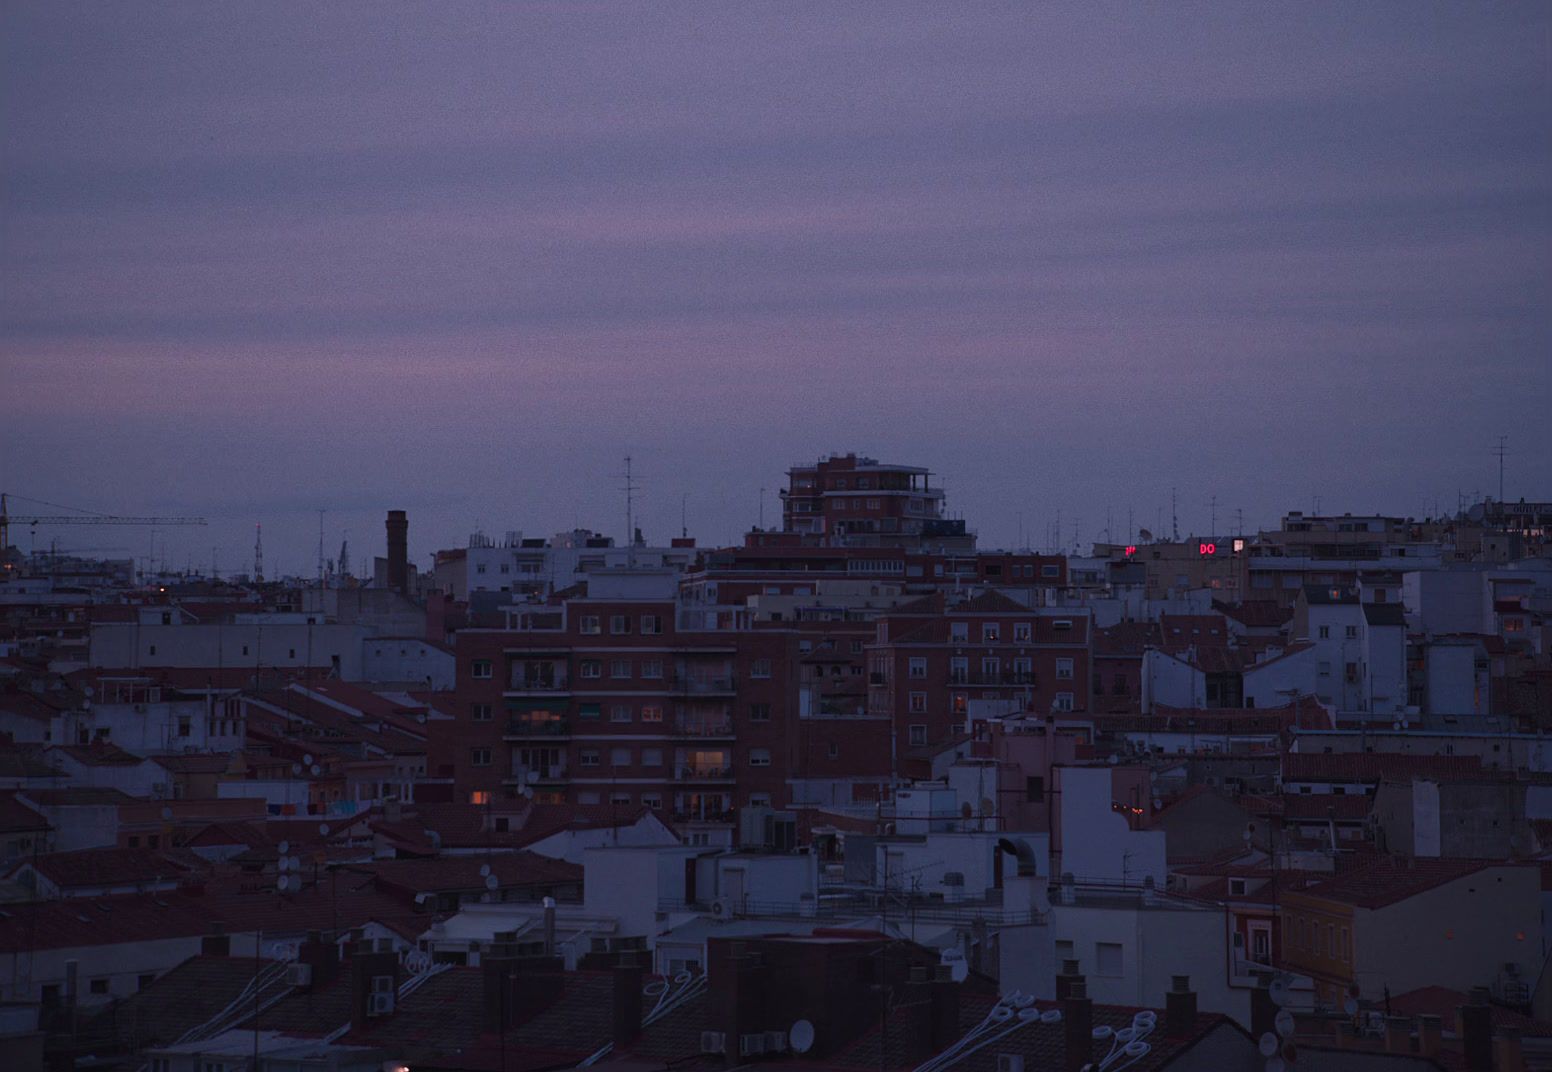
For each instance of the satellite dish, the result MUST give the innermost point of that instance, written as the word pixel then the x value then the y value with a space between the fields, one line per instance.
pixel 308 758
pixel 317 770
pixel 296 768
pixel 1350 1006
pixel 484 870
pixel 284 847
pixel 1267 1045
pixel 1051 1016
pixel 166 813
pixel 491 882
pixel 284 883
pixel 1157 804
pixel 801 1037
pixel 1278 991
pixel 1284 1023
pixel 323 828
pixel 549 902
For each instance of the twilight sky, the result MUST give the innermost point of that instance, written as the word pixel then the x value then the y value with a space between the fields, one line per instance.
pixel 258 260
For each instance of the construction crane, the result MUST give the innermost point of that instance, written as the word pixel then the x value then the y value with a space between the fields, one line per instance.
pixel 83 517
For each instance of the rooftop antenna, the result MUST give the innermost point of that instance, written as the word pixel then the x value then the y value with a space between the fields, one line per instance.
pixel 1174 517
pixel 320 548
pixel 684 525
pixel 630 513
pixel 1213 529
pixel 344 559
pixel 258 553
pixel 762 509
pixel 1501 450
pixel 1239 522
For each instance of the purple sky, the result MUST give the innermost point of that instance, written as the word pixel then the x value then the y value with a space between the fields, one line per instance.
pixel 457 259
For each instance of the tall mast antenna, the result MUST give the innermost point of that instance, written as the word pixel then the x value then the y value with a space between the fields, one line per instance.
pixel 258 554
pixel 1501 450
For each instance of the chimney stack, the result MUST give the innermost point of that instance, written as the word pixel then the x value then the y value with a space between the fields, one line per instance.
pixel 1476 1031
pixel 1508 1050
pixel 627 1001
pixel 1398 1034
pixel 322 955
pixel 1180 1008
pixel 1430 1035
pixel 1077 1027
pixel 374 983
pixel 1066 977
pixel 1263 1010
pixel 398 551
pixel 217 943
pixel 945 1010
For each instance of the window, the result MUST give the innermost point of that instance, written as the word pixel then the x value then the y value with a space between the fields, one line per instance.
pixel 651 757
pixel 479 669
pixel 1350 632
pixel 856 647
pixel 587 757
pixel 619 624
pixel 1064 669
pixel 651 713
pixel 1325 632
pixel 760 668
pixel 589 711
pixel 918 703
pixel 1034 790
pixel 917 666
pixel 1050 571
pixel 592 669
pixel 619 757
pixel 760 712
pixel 479 712
pixel 652 800
pixel 1021 632
pixel 959 632
pixel 291 656
pixel 651 624
pixel 918 734
pixel 588 626
pixel 479 796
pixel 872 504
pixel 759 757
pixel 620 713
pixel 134 841
pixel 1107 959
pixel 991 632
pixel 143 981
pixel 99 986
pixel 480 757
pixel 587 796
pixel 652 669
pixel 1064 701
pixel 834 750
pixel 620 668
pixel 153 651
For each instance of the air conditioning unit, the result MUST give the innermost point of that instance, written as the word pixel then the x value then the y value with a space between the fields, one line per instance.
pixel 751 1045
pixel 722 908
pixel 775 1042
pixel 1010 1062
pixel 299 975
pixel 380 1004
pixel 713 1041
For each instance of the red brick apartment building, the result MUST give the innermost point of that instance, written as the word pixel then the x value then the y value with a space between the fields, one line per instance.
pixel 623 702
pixel 931 659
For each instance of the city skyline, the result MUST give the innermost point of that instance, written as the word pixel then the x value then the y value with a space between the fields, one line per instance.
pixel 258 264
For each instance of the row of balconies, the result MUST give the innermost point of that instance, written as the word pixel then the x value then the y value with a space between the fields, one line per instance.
pixel 561 727
pixel 693 684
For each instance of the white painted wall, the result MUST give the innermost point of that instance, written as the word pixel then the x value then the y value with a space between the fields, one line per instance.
pixel 400 659
pixel 1278 681
pixel 1097 844
pixel 1168 680
pixel 117 645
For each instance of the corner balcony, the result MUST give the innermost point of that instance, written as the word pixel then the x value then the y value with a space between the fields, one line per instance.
pixel 703 774
pixel 703 727
pixel 522 729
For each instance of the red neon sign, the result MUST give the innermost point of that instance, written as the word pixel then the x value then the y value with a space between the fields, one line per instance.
pixel 1131 550
pixel 1207 548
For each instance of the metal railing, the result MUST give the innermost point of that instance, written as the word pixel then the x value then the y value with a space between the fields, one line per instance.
pixel 546 727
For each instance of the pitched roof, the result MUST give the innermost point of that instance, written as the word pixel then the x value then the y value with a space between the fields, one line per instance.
pixel 1384 614
pixel 1442 1002
pixel 1388 880
pixel 16 817
pixel 1373 766
pixel 454 873
pixel 1256 613
pixel 77 796
pixel 87 868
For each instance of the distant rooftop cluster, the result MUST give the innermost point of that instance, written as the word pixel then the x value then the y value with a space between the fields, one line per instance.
pixel 855 793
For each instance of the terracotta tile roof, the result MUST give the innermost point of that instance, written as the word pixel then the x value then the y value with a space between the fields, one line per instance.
pixel 16 817
pixel 1387 880
pixel 76 796
pixel 87 868
pixel 181 999
pixel 513 870
pixel 1256 613
pixel 1345 807
pixel 1373 766
pixel 1178 631
pixel 989 602
pixel 1126 638
pixel 1442 1002
pixel 99 754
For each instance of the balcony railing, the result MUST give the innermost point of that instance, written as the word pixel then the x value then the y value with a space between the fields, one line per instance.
pixel 708 815
pixel 543 772
pixel 982 677
pixel 538 727
pixel 711 727
pixel 702 685
pixel 703 774
pixel 539 683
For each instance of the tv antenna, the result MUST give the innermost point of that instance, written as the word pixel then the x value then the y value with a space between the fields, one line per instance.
pixel 630 487
pixel 1501 450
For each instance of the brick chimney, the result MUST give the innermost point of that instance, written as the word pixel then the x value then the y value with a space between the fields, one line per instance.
pixel 1180 1008
pixel 1476 1031
pixel 217 943
pixel 1077 1027
pixel 1430 1035
pixel 1263 1010
pixel 374 972
pixel 398 550
pixel 945 1010
pixel 1066 977
pixel 1508 1051
pixel 1398 1034
pixel 322 955
pixel 735 978
pixel 627 1001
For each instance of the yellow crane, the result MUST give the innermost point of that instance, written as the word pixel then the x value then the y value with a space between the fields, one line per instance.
pixel 81 517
